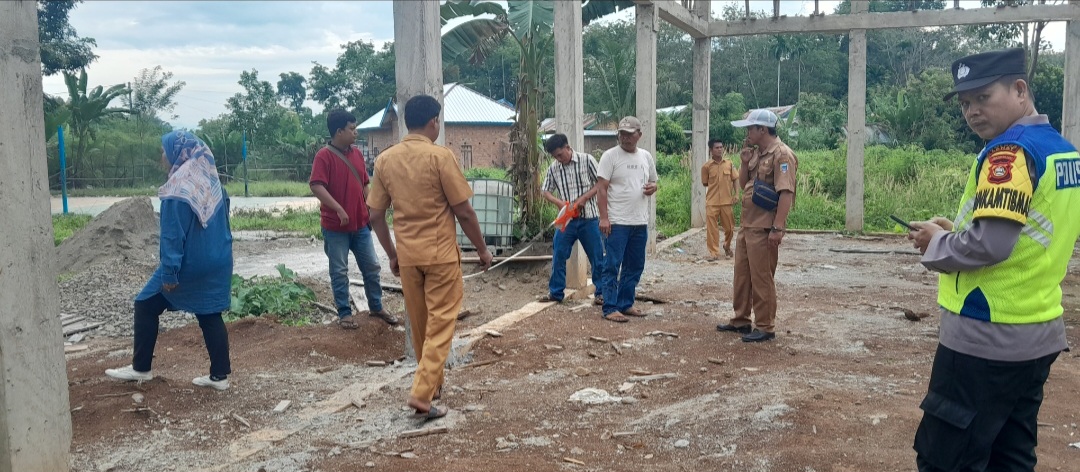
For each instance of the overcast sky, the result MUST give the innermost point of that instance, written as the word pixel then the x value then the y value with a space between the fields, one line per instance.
pixel 208 43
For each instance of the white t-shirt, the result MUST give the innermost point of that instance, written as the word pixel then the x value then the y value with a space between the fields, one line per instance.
pixel 627 174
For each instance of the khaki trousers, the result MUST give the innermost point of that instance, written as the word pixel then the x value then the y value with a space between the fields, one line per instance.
pixel 755 288
pixel 726 218
pixel 433 297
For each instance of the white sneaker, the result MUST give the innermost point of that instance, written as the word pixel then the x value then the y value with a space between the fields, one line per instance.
pixel 129 373
pixel 205 381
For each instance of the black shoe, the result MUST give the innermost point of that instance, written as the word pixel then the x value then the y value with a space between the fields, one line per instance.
pixel 733 328
pixel 758 336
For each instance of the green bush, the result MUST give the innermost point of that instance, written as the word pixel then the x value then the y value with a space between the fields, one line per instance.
pixel 282 296
pixel 492 173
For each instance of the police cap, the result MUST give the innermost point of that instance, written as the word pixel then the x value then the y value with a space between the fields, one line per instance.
pixel 979 70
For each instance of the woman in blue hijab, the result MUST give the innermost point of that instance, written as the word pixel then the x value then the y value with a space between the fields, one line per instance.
pixel 194 273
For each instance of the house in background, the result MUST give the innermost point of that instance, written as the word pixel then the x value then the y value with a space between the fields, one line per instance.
pixel 477 128
pixel 601 135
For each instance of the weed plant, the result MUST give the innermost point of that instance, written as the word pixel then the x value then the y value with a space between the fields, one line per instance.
pixel 282 296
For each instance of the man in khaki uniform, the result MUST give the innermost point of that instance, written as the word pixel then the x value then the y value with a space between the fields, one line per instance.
pixel 719 175
pixel 424 184
pixel 765 159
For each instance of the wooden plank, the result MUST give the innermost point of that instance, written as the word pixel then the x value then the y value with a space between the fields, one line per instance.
pixel 72 321
pixel 416 433
pixel 667 243
pixel 75 348
pixel 905 19
pixel 80 327
pixel 385 286
pixel 648 378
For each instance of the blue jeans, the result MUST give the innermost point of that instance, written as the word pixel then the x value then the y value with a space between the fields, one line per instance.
pixel 578 229
pixel 623 264
pixel 337 246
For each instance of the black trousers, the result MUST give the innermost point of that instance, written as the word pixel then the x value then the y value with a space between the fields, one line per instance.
pixel 214 333
pixel 981 415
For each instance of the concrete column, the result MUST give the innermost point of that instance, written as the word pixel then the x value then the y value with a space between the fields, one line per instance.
pixel 418 48
pixel 569 107
pixel 35 422
pixel 647 27
pixel 700 140
pixel 856 123
pixel 1070 119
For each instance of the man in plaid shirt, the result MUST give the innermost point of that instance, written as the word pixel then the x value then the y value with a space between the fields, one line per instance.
pixel 573 177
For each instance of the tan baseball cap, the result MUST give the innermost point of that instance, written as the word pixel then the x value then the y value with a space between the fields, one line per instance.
pixel 630 124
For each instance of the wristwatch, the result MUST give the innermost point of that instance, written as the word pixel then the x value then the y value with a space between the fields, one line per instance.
pixel 773 228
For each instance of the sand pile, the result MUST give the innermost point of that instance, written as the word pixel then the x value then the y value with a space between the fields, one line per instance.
pixel 126 232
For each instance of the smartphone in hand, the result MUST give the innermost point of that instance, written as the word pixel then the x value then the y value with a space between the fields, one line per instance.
pixel 902 222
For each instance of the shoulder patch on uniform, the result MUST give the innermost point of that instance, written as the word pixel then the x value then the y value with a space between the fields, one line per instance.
pixel 1068 173
pixel 783 167
pixel 1001 160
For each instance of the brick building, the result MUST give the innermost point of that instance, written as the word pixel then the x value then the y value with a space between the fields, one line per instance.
pixel 477 128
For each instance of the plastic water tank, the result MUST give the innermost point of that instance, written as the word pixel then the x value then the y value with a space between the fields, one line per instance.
pixel 493 201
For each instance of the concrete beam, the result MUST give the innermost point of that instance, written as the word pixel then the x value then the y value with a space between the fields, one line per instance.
pixel 856 127
pixel 695 24
pixel 699 147
pixel 1070 119
pixel 418 47
pixel 35 422
pixel 569 107
pixel 906 19
pixel 647 27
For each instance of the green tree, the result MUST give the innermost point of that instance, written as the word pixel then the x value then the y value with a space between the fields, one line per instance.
pixel 61 47
pixel 1047 86
pixel 291 90
pixel 87 109
pixel 530 24
pixel 255 110
pixel 151 93
pixel 362 79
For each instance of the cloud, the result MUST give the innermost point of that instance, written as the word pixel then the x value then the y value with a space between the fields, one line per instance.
pixel 207 44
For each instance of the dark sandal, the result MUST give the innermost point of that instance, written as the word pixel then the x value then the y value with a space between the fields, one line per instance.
pixel 617 318
pixel 634 312
pixel 598 300
pixel 348 322
pixel 548 299
pixel 438 394
pixel 433 413
pixel 385 316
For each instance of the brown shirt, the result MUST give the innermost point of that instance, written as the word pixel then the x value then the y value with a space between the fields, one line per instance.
pixel 777 166
pixel 421 181
pixel 720 178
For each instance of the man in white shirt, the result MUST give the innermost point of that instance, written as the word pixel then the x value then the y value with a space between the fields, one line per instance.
pixel 626 178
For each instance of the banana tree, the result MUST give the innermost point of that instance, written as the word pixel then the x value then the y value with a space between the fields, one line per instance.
pixel 87 108
pixel 56 114
pixel 530 23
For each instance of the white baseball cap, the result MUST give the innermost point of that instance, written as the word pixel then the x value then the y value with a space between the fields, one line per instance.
pixel 759 117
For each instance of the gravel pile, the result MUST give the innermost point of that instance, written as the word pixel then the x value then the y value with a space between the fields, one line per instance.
pixel 104 292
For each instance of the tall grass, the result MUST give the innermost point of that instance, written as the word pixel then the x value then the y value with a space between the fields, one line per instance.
pixel 66 225
pixel 268 188
pixel 305 222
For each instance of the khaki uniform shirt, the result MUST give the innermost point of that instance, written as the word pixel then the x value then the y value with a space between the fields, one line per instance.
pixel 421 181
pixel 719 178
pixel 776 166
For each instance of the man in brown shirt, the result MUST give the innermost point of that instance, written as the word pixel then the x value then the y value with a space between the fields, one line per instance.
pixel 424 184
pixel 719 176
pixel 765 159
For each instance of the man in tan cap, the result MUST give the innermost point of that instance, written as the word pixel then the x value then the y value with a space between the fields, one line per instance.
pixel 626 177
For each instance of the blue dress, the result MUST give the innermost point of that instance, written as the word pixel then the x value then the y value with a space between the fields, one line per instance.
pixel 199 260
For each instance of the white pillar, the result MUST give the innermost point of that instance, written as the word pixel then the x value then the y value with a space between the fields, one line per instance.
pixel 35 423
pixel 700 142
pixel 647 27
pixel 418 52
pixel 856 123
pixel 1070 110
pixel 569 107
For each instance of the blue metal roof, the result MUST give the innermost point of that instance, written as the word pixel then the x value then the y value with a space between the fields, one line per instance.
pixel 461 106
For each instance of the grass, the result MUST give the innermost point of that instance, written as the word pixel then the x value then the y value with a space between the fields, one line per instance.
pixel 269 188
pixel 305 222
pixel 66 225
pixel 911 183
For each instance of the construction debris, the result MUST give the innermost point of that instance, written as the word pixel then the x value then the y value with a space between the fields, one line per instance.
pixel 648 378
pixel 282 406
pixel 415 433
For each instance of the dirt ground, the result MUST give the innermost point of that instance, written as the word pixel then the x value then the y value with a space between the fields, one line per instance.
pixel 838 390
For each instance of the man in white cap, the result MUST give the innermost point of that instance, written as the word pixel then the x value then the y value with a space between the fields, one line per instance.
pixel 626 178
pixel 767 175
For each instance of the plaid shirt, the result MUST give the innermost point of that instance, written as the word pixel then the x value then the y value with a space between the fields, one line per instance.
pixel 573 180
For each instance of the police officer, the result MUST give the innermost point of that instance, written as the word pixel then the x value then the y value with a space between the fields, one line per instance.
pixel 766 162
pixel 1001 261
